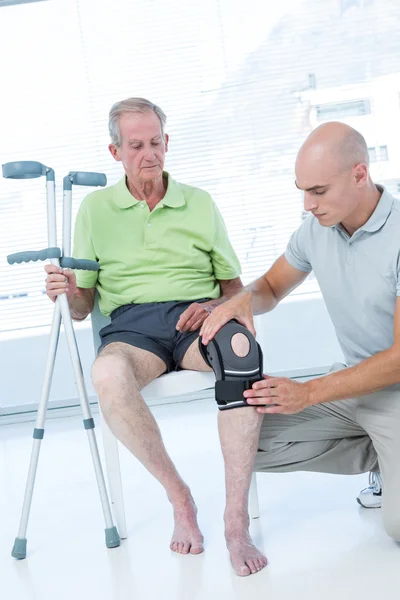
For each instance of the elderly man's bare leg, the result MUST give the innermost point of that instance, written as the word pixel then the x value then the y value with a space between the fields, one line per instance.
pixel 119 373
pixel 193 360
pixel 239 431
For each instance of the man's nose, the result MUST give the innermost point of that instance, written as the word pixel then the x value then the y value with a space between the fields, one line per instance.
pixel 149 154
pixel 309 202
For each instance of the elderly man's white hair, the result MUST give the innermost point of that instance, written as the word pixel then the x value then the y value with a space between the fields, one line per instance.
pixel 131 105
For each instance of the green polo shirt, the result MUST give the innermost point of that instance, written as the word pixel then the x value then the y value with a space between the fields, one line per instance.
pixel 178 251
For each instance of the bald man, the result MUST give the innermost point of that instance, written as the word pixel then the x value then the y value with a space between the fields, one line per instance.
pixel 349 420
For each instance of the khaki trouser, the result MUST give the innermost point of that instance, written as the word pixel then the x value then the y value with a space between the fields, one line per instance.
pixel 346 437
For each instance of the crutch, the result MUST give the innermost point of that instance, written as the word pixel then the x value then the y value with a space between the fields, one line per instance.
pixel 28 170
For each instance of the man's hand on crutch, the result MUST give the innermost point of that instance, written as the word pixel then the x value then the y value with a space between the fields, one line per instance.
pixel 59 281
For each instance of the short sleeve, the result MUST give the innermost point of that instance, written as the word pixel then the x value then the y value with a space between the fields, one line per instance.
pixel 225 263
pixel 398 277
pixel 83 247
pixel 296 250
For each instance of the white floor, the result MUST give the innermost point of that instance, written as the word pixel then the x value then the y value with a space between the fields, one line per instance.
pixel 319 542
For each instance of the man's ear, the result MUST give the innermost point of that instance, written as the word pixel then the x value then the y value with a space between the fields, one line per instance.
pixel 166 140
pixel 114 151
pixel 360 173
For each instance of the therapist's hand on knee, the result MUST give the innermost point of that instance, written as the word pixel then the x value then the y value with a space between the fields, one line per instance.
pixel 239 308
pixel 59 281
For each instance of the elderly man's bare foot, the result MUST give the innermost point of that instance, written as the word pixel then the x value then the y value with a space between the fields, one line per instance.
pixel 187 537
pixel 246 559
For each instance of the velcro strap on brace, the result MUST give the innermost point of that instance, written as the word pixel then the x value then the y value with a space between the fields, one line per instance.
pixel 234 374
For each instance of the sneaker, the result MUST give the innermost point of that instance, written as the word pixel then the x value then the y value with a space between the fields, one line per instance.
pixel 371 496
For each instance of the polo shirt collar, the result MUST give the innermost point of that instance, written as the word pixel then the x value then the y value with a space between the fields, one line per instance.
pixel 173 197
pixel 380 214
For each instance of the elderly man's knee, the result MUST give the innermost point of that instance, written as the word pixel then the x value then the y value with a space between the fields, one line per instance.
pixel 110 370
pixel 236 359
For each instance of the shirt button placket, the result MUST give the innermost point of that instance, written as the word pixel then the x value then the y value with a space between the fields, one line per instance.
pixel 148 233
pixel 350 253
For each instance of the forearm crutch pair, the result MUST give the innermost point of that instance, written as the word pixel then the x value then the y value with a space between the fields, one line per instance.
pixel 28 170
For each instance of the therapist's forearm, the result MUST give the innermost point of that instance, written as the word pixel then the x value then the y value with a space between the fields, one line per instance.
pixel 370 375
pixel 263 298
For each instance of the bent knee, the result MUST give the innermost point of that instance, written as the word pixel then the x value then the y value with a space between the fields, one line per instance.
pixel 391 523
pixel 110 370
pixel 393 530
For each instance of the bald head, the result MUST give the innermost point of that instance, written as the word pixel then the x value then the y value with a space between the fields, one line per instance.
pixel 332 170
pixel 337 144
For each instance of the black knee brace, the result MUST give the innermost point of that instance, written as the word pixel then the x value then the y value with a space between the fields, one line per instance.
pixel 234 373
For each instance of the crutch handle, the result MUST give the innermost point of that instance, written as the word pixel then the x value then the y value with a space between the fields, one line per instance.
pixel 84 178
pixel 33 255
pixel 81 264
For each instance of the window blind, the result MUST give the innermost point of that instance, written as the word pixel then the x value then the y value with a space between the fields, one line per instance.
pixel 242 86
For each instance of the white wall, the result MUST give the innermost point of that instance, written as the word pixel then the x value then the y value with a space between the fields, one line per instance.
pixel 23 362
pixel 296 336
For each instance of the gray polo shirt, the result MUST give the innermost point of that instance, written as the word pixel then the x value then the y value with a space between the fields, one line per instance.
pixel 358 276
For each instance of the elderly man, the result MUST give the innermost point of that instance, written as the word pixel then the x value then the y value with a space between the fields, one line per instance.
pixel 347 421
pixel 165 263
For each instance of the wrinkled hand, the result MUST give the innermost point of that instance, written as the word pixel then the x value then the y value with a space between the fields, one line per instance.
pixel 59 281
pixel 193 317
pixel 238 307
pixel 289 396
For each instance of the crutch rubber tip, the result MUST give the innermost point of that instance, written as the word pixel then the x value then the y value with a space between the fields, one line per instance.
pixel 19 548
pixel 112 538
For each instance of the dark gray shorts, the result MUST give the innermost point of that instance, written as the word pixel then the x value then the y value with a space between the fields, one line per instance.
pixel 152 327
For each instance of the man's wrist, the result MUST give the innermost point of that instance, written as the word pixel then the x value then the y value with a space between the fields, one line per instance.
pixel 318 390
pixel 209 306
pixel 311 392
